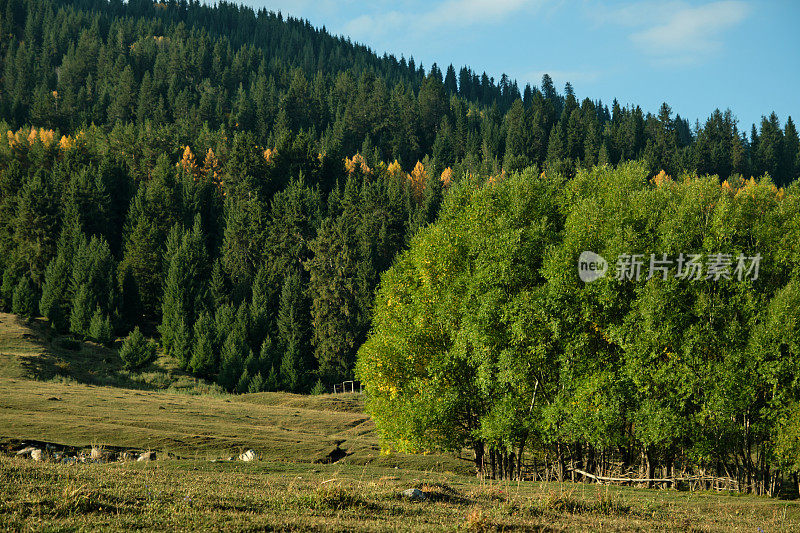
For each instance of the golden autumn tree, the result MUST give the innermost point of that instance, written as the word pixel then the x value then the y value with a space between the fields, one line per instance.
pixel 211 171
pixel 15 139
pixel 189 164
pixel 395 169
pixel 418 178
pixel 447 177
pixel 661 179
pixel 66 142
pixel 357 163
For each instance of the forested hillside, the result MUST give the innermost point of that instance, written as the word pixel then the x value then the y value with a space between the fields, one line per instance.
pixel 234 182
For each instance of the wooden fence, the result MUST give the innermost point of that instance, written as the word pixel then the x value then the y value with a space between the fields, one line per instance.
pixel 347 386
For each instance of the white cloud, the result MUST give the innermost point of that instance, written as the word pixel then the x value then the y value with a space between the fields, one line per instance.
pixel 676 33
pixel 449 15
pixel 468 12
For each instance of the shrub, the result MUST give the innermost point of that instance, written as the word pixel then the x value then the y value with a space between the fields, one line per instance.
pixel 137 351
pixel 319 388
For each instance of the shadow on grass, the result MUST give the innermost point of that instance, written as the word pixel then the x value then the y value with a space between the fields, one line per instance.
pixel 47 355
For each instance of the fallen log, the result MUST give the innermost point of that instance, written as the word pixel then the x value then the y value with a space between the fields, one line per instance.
pixel 624 479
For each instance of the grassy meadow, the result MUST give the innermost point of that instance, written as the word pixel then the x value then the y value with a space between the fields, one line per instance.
pixel 200 495
pixel 79 396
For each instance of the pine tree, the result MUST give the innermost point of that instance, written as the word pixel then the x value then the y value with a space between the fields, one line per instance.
pixel 231 360
pixel 261 314
pixel 433 105
pixel 244 242
pixel 123 102
pixel 555 146
pixel 204 350
pixel 243 384
pixel 293 332
pixel 54 304
pixel 791 153
pixel 136 351
pixel 182 343
pixel 100 327
pixel 92 283
pixel 87 205
pixel 256 384
pixel 147 102
pixel 318 388
pixel 35 226
pixel 80 315
pixel 11 277
pixel 219 285
pixel 267 356
pixel 450 83
pixel 153 212
pixel 273 381
pixel 184 288
pixel 769 151
pixel 292 368
pixel 25 301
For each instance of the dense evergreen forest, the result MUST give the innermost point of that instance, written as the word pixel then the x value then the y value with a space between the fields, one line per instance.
pixel 233 183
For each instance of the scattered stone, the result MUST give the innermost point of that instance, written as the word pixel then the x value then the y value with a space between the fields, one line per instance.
pixel 414 495
pixel 147 456
pixel 37 454
pixel 127 456
pixel 25 451
pixel 97 454
pixel 249 455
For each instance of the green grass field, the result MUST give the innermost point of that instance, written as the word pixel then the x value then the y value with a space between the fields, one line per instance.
pixel 81 397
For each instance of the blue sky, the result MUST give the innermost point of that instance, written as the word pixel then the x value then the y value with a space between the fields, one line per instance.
pixel 695 55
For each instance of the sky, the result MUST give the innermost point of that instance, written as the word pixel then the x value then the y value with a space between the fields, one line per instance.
pixel 695 55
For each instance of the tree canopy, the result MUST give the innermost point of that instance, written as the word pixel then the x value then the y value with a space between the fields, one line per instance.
pixel 484 336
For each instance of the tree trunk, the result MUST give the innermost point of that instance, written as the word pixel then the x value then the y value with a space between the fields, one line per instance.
pixel 478 449
pixel 650 467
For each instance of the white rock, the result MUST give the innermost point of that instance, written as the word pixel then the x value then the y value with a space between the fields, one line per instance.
pixel 414 494
pixel 26 451
pixel 37 454
pixel 249 455
pixel 147 456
